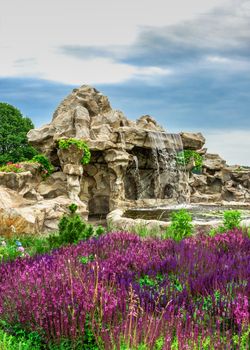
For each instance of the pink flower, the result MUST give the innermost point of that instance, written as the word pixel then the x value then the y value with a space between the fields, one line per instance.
pixel 20 249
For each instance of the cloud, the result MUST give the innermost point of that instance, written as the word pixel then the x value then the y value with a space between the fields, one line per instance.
pixel 217 42
pixel 51 64
pixel 35 98
pixel 224 32
pixel 232 145
pixel 92 42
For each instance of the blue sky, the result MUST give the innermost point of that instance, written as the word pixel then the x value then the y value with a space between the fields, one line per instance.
pixel 187 65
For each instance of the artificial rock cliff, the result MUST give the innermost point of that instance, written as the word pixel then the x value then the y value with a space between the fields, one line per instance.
pixel 133 164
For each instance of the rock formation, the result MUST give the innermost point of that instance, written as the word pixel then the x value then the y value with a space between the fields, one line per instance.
pixel 131 160
pixel 220 182
pixel 133 163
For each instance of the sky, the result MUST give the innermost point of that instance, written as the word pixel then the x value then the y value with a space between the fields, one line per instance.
pixel 186 63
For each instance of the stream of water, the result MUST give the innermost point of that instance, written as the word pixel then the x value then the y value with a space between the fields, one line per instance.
pixel 171 179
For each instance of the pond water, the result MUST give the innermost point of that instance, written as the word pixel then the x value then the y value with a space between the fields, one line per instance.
pixel 198 212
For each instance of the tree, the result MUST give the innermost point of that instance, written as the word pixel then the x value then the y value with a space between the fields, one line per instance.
pixel 14 145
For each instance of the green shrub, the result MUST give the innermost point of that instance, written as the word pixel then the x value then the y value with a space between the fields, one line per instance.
pixel 73 229
pixel 20 340
pixel 181 225
pixel 232 219
pixel 73 208
pixel 46 167
pixel 185 156
pixel 65 143
pixel 99 230
pixel 10 250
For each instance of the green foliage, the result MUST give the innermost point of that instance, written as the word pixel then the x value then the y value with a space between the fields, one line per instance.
pixel 181 225
pixel 86 259
pixel 73 208
pixel 15 338
pixel 144 231
pixel 176 284
pixel 10 250
pixel 185 156
pixel 46 167
pixel 34 245
pixel 150 282
pixel 73 229
pixel 14 145
pixel 65 143
pixel 13 248
pixel 99 230
pixel 232 219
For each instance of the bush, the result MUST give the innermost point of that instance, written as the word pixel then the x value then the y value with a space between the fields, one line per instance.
pixel 11 250
pixel 180 226
pixel 73 229
pixel 232 219
pixel 65 143
pixel 46 167
pixel 14 145
pixel 27 342
pixel 185 156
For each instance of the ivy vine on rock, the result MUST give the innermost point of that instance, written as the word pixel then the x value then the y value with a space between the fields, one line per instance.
pixel 66 143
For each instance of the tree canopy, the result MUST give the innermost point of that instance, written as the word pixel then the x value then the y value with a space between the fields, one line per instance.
pixel 14 145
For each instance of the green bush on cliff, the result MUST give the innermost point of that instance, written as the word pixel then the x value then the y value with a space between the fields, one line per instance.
pixel 66 143
pixel 185 156
pixel 46 167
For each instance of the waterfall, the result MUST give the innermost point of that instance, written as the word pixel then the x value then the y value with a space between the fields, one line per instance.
pixel 137 177
pixel 170 178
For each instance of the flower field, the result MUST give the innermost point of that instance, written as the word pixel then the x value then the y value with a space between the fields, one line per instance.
pixel 120 291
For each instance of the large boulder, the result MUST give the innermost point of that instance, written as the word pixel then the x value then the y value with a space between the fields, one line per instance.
pixel 193 141
pixel 21 216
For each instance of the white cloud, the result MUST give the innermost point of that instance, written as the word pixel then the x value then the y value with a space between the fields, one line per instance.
pixel 32 31
pixel 49 64
pixel 218 59
pixel 232 145
pixel 229 64
pixel 87 22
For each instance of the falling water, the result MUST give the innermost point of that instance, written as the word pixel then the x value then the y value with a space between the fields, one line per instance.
pixel 170 178
pixel 137 177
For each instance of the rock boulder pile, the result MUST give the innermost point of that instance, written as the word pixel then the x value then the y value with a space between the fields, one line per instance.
pixel 133 164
